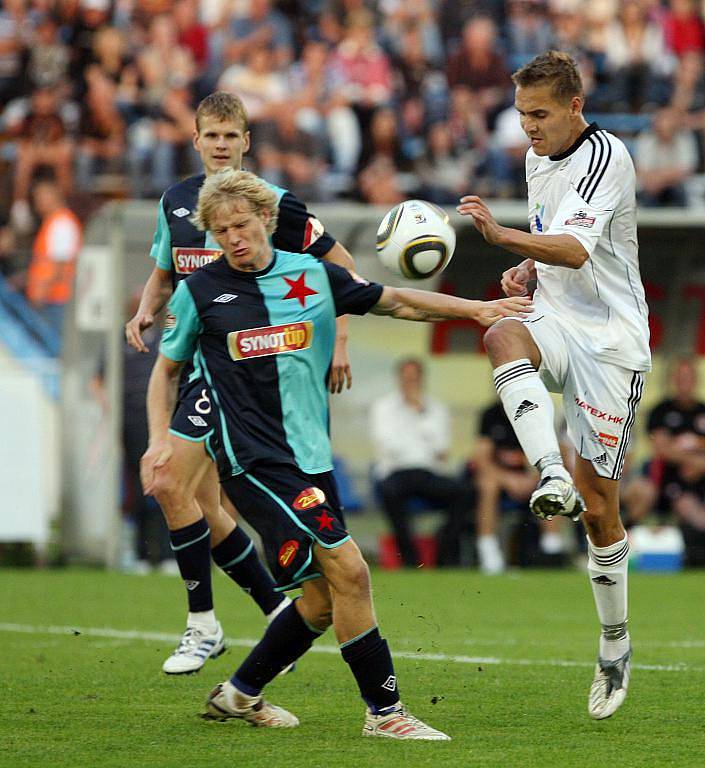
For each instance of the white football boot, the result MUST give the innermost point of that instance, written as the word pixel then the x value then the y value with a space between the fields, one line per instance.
pixel 556 496
pixel 609 687
pixel 195 648
pixel 400 724
pixel 225 702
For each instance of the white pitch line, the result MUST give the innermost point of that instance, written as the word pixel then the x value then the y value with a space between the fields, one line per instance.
pixel 166 637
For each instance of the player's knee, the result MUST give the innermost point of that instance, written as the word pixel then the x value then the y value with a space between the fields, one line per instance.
pixel 498 339
pixel 169 491
pixel 356 579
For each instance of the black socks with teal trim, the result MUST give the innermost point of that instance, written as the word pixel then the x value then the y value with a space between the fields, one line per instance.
pixel 192 549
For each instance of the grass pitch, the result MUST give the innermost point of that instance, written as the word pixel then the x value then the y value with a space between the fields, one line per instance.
pixel 502 664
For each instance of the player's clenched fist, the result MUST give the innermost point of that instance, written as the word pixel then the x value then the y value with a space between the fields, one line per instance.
pixel 516 279
pixel 155 457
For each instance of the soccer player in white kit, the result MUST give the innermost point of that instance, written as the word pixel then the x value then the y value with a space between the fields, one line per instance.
pixel 588 337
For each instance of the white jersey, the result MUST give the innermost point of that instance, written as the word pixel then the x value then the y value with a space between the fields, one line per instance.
pixel 589 192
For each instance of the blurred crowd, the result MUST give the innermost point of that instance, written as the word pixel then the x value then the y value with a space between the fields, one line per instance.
pixel 374 101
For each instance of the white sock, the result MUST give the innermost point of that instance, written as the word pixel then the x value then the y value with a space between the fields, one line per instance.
pixel 490 554
pixel 203 620
pixel 529 409
pixel 607 567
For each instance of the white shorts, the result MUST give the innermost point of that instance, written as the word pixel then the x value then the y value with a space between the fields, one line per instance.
pixel 599 399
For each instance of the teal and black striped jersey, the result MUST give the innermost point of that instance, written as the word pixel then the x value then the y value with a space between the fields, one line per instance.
pixel 178 246
pixel 264 341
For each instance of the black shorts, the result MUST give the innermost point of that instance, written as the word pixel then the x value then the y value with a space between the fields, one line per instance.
pixel 194 417
pixel 291 511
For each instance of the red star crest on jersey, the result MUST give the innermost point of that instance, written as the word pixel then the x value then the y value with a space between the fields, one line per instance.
pixel 325 521
pixel 298 289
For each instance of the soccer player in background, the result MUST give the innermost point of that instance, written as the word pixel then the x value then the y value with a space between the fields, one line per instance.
pixel 588 337
pixel 221 137
pixel 263 323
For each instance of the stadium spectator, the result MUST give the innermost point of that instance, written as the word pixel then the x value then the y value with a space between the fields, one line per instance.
pixel 401 16
pixel 380 183
pixel 42 140
pixel 683 26
pixel 15 35
pixel 637 59
pixel 191 34
pixel 11 262
pixel 315 89
pixel 411 436
pixel 101 145
pixel 671 486
pixel 665 156
pixel 365 66
pixel 260 86
pixel 48 56
pixel 261 26
pixel 54 253
pixel 383 140
pixel 443 171
pixel 527 30
pixel 480 68
pixel 504 481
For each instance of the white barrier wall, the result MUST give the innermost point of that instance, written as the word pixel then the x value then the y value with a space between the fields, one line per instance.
pixel 29 456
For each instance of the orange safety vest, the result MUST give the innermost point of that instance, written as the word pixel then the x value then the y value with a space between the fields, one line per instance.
pixel 50 281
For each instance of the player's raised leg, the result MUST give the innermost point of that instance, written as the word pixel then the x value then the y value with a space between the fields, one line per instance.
pixel 608 551
pixel 515 359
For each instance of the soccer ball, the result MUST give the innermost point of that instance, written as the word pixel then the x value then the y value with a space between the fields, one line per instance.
pixel 415 240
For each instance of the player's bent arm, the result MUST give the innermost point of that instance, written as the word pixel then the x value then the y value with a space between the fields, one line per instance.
pixel 341 374
pixel 155 295
pixel 161 396
pixel 340 255
pixel 557 250
pixel 412 304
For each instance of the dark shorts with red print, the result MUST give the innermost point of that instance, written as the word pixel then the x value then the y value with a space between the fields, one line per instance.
pixel 291 511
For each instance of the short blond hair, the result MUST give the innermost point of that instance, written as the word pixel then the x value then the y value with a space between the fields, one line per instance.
pixel 222 106
pixel 228 187
pixel 555 68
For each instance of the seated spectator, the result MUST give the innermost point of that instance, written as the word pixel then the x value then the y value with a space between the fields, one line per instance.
pixel 672 484
pixel 365 66
pixel 665 156
pixel 49 57
pixel 101 144
pixel 443 172
pixel 54 253
pixel 261 26
pixel 684 28
pixel 380 183
pixel 191 33
pixel 11 262
pixel 315 90
pixel 260 86
pixel 15 29
pixel 383 140
pixel 637 59
pixel 42 140
pixel 480 68
pixel 411 436
pixel 527 31
pixel 503 480
pixel 292 158
pixel 506 159
pixel 400 16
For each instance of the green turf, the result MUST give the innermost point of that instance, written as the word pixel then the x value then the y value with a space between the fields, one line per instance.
pixel 84 700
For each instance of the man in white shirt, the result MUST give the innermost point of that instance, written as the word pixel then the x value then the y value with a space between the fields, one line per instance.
pixel 411 435
pixel 588 337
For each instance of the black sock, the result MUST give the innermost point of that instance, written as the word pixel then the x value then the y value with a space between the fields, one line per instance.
pixel 236 555
pixel 287 638
pixel 370 661
pixel 192 549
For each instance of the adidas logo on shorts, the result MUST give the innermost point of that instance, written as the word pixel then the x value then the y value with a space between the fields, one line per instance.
pixel 601 460
pixel 524 407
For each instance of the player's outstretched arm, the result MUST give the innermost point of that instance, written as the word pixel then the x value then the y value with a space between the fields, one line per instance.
pixel 161 399
pixel 412 304
pixel 340 372
pixel 559 250
pixel 155 295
